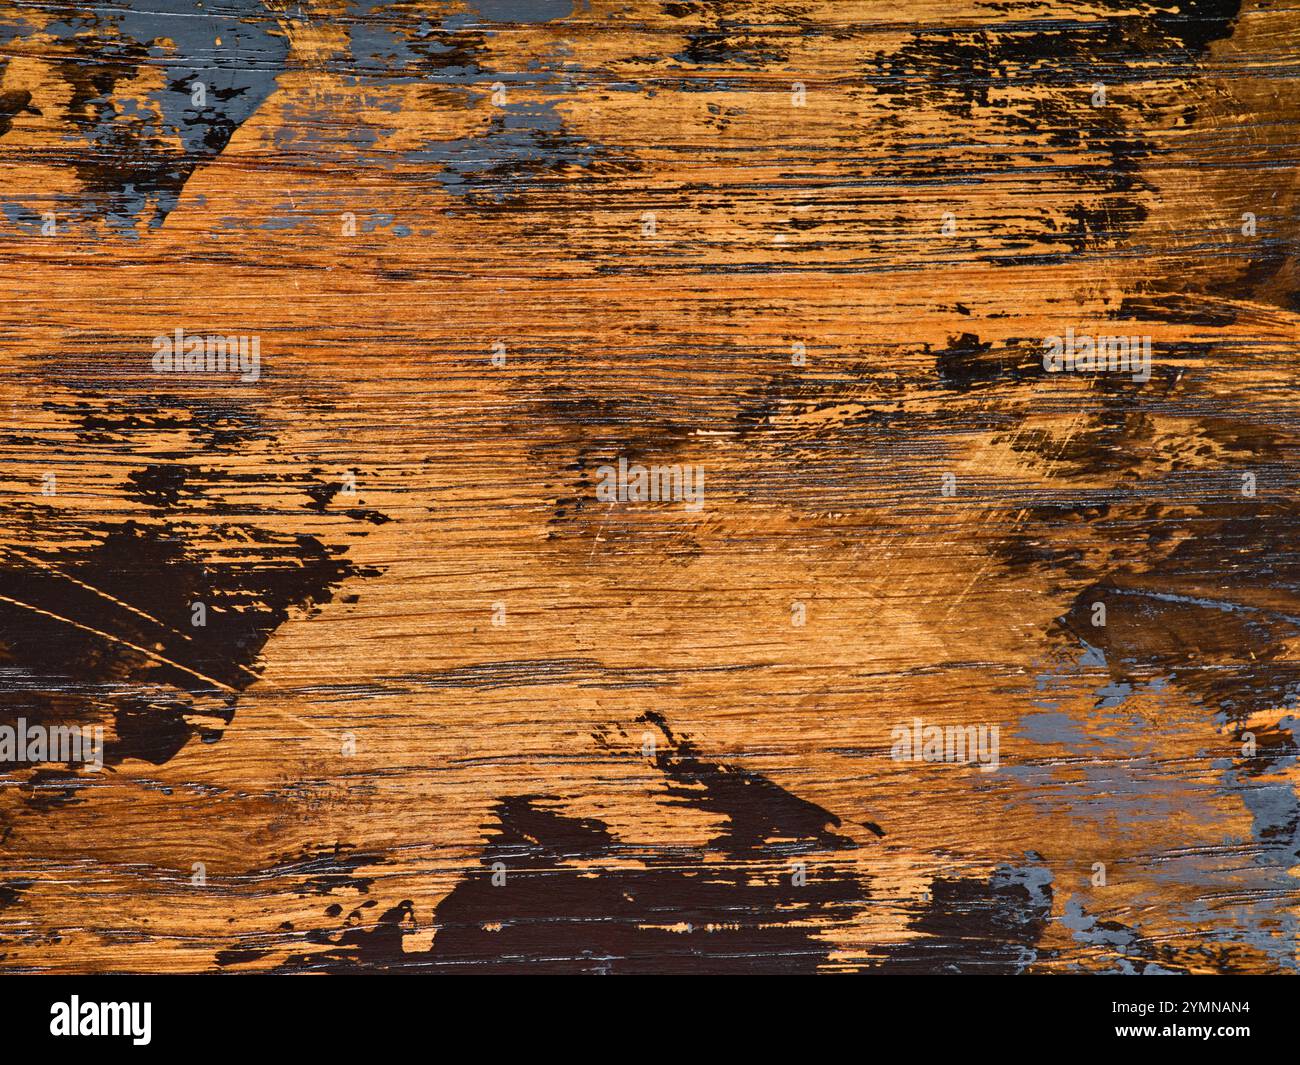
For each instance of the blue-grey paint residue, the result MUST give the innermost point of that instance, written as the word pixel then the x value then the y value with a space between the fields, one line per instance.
pixel 523 142
pixel 1126 952
pixel 1112 776
pixel 133 155
pixel 526 140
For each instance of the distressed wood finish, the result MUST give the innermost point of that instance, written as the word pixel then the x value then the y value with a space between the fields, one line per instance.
pixel 698 234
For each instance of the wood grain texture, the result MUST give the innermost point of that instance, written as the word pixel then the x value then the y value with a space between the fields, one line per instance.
pixel 472 717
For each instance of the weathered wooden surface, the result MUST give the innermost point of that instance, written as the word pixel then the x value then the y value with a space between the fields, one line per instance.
pixel 650 745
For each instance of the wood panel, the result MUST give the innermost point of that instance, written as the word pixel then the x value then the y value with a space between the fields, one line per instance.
pixel 453 709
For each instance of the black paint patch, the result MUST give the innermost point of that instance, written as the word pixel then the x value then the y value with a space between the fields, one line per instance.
pixel 974 926
pixel 324 870
pixel 576 899
pixel 759 813
pixel 968 363
pixel 1032 80
pixel 79 623
pixel 159 485
pixel 563 909
pixel 1216 614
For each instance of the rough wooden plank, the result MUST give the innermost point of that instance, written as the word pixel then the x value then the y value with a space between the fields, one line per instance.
pixel 812 249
